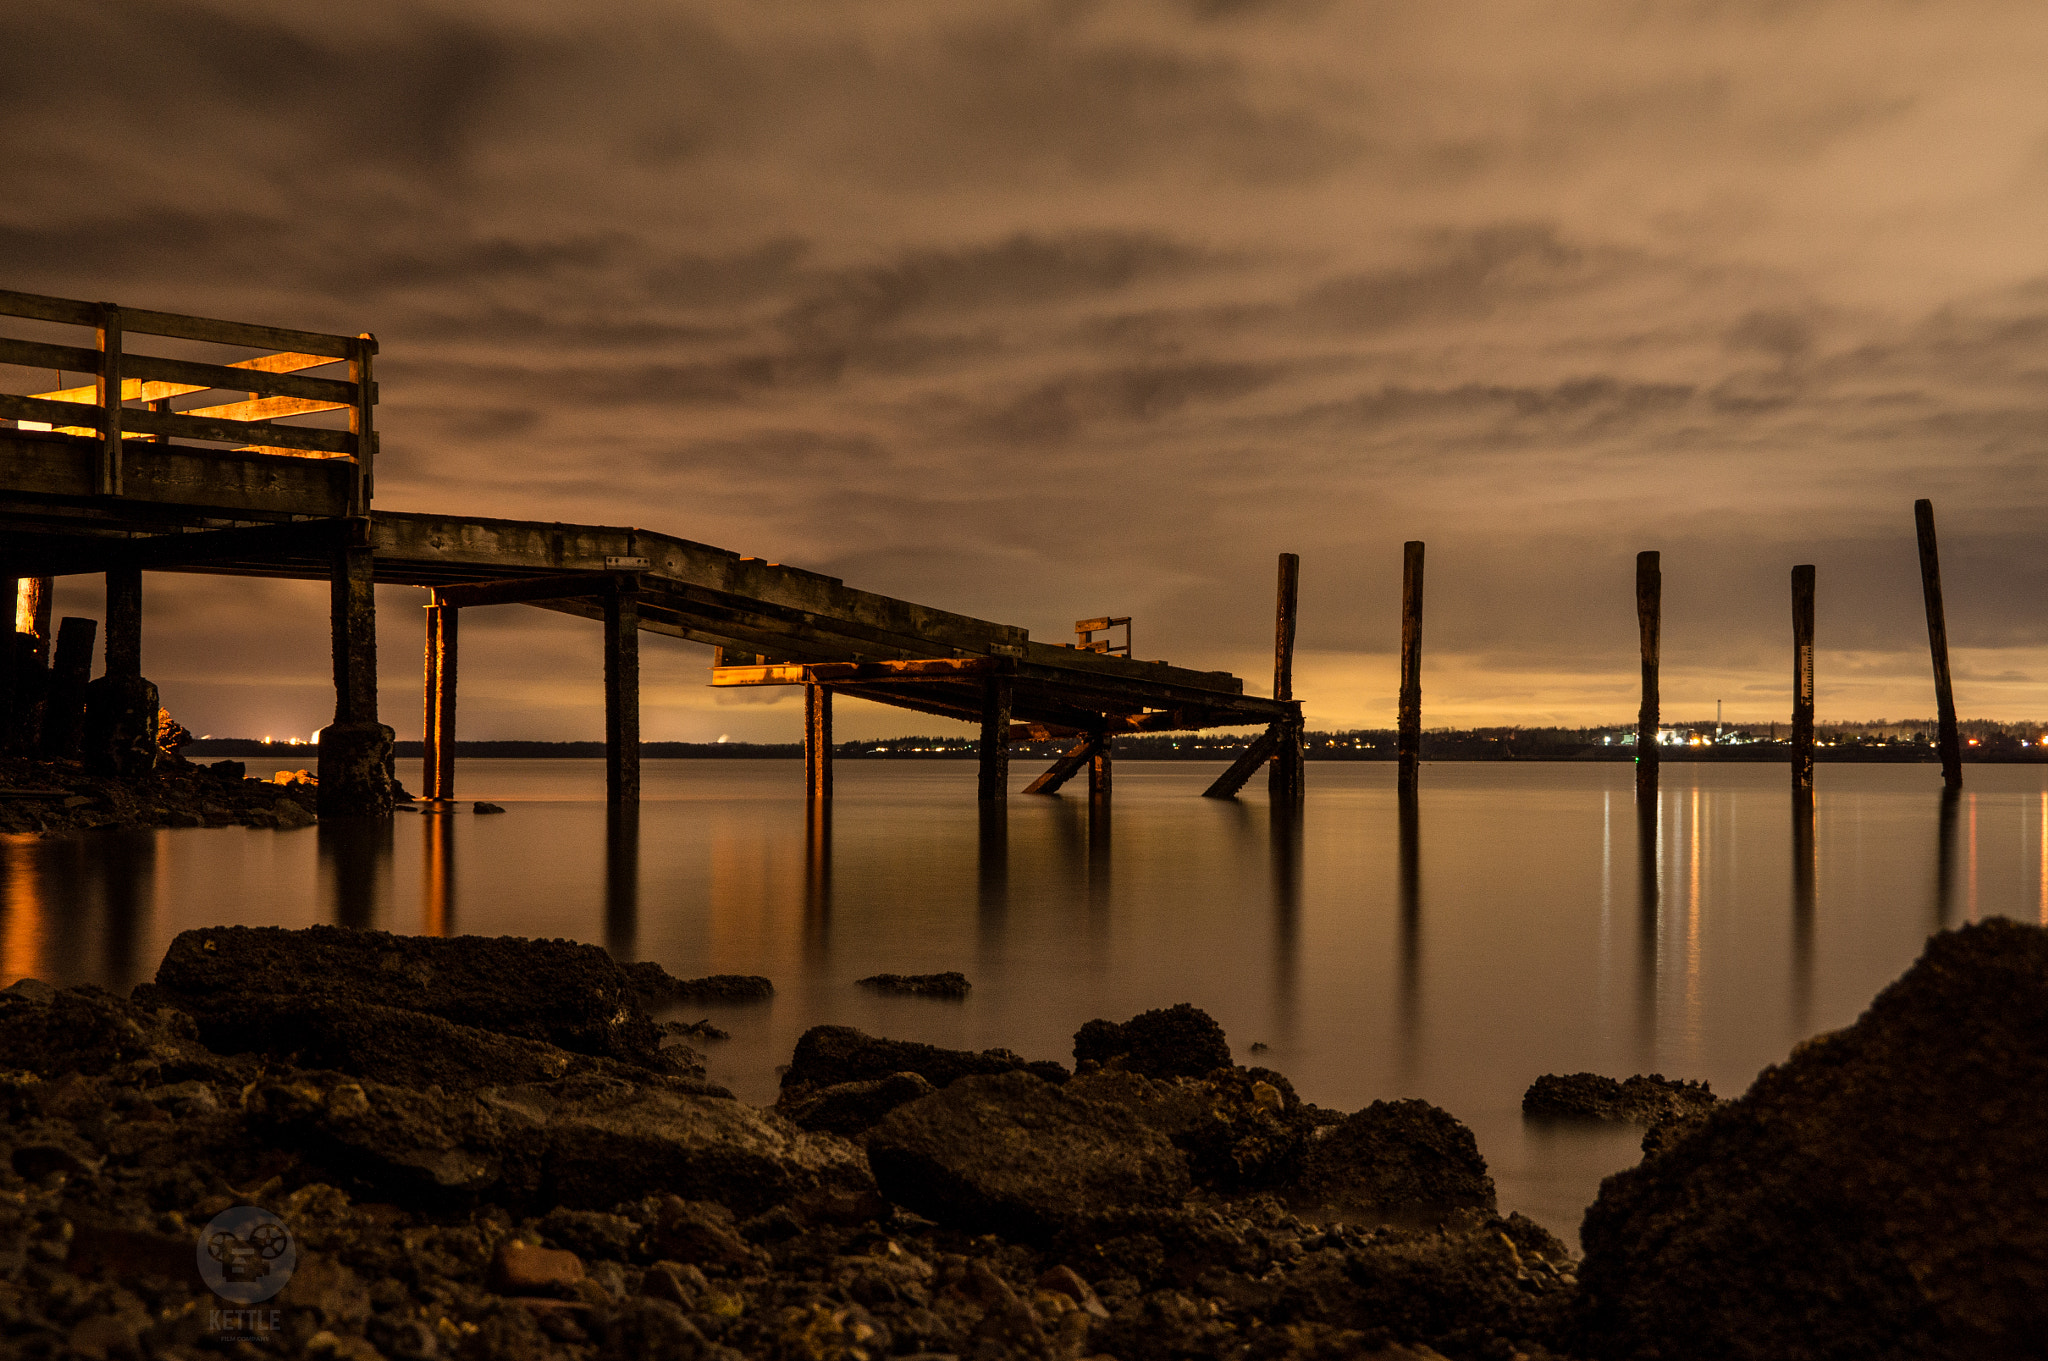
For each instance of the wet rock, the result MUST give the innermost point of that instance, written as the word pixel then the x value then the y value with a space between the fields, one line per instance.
pixel 696 1030
pixel 387 1141
pixel 655 986
pixel 1177 1041
pixel 848 1108
pixel 698 1234
pixel 1876 1195
pixel 481 807
pixel 1013 1154
pixel 556 991
pixel 400 1047
pixel 607 1147
pixel 523 1269
pixel 1637 1100
pixel 1394 1162
pixel 1231 1126
pixel 946 985
pixel 829 1055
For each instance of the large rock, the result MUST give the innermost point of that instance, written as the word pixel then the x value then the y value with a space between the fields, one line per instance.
pixel 1234 1127
pixel 1015 1155
pixel 1397 1162
pixel 828 1055
pixel 1880 1194
pixel 851 1107
pixel 1177 1041
pixel 559 992
pixel 657 987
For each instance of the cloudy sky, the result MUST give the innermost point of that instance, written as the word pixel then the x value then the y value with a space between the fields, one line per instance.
pixel 1038 310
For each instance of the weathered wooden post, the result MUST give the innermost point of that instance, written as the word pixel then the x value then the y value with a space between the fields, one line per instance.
pixel 1099 758
pixel 622 693
pixel 1649 621
pixel 993 778
pixel 1409 741
pixel 35 600
pixel 64 710
pixel 1802 682
pixel 622 880
pixel 817 742
pixel 124 621
pixel 1286 777
pixel 437 748
pixel 121 707
pixel 1947 741
pixel 355 749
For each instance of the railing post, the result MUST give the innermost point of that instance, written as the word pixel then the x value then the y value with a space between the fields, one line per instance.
pixel 108 394
pixel 360 423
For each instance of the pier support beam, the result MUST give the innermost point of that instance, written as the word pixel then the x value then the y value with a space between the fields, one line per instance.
pixel 121 707
pixel 1947 740
pixel 1408 742
pixel 993 780
pixel 1066 768
pixel 64 709
pixel 437 749
pixel 1649 622
pixel 817 743
pixel 1286 777
pixel 355 750
pixel 1802 683
pixel 622 694
pixel 1099 767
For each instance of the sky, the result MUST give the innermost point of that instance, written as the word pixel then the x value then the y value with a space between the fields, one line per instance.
pixel 1039 311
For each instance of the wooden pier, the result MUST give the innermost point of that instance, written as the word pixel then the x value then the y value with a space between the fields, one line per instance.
pixel 171 461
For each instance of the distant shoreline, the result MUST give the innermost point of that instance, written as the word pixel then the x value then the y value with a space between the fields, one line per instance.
pixel 1436 748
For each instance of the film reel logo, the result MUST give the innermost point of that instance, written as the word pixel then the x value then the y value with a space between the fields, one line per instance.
pixel 246 1255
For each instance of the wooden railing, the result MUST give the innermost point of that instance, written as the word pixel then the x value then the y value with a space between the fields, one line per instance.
pixel 131 393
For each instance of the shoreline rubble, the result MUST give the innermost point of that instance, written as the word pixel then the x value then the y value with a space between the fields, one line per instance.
pixel 488 1147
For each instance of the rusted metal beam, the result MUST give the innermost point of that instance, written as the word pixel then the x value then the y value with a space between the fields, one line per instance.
pixel 1245 766
pixel 818 743
pixel 1065 768
pixel 437 747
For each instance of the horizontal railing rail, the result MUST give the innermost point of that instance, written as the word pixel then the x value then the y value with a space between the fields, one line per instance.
pixel 130 396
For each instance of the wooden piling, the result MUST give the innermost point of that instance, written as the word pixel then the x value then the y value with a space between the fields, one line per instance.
pixel 1099 770
pixel 35 599
pixel 353 621
pixel 1409 742
pixel 1802 681
pixel 124 622
pixel 1947 742
pixel 64 711
pixel 622 695
pixel 437 748
pixel 1069 765
pixel 817 742
pixel 1649 623
pixel 1285 777
pixel 355 750
pixel 993 783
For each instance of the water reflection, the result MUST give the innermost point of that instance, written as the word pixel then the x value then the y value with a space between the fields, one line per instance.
pixel 355 862
pixel 1649 911
pixel 622 879
pixel 1098 853
pixel 1409 991
pixel 817 927
pixel 1945 856
pixel 1804 903
pixel 78 909
pixel 126 870
pixel 1284 835
pixel 992 878
pixel 437 875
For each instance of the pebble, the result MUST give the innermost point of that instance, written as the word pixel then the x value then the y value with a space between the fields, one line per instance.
pixel 519 1269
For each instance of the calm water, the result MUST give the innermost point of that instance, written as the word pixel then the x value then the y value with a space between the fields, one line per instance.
pixel 1525 920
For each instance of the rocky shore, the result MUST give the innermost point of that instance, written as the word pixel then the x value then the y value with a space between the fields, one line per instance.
pixel 63 796
pixel 493 1148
